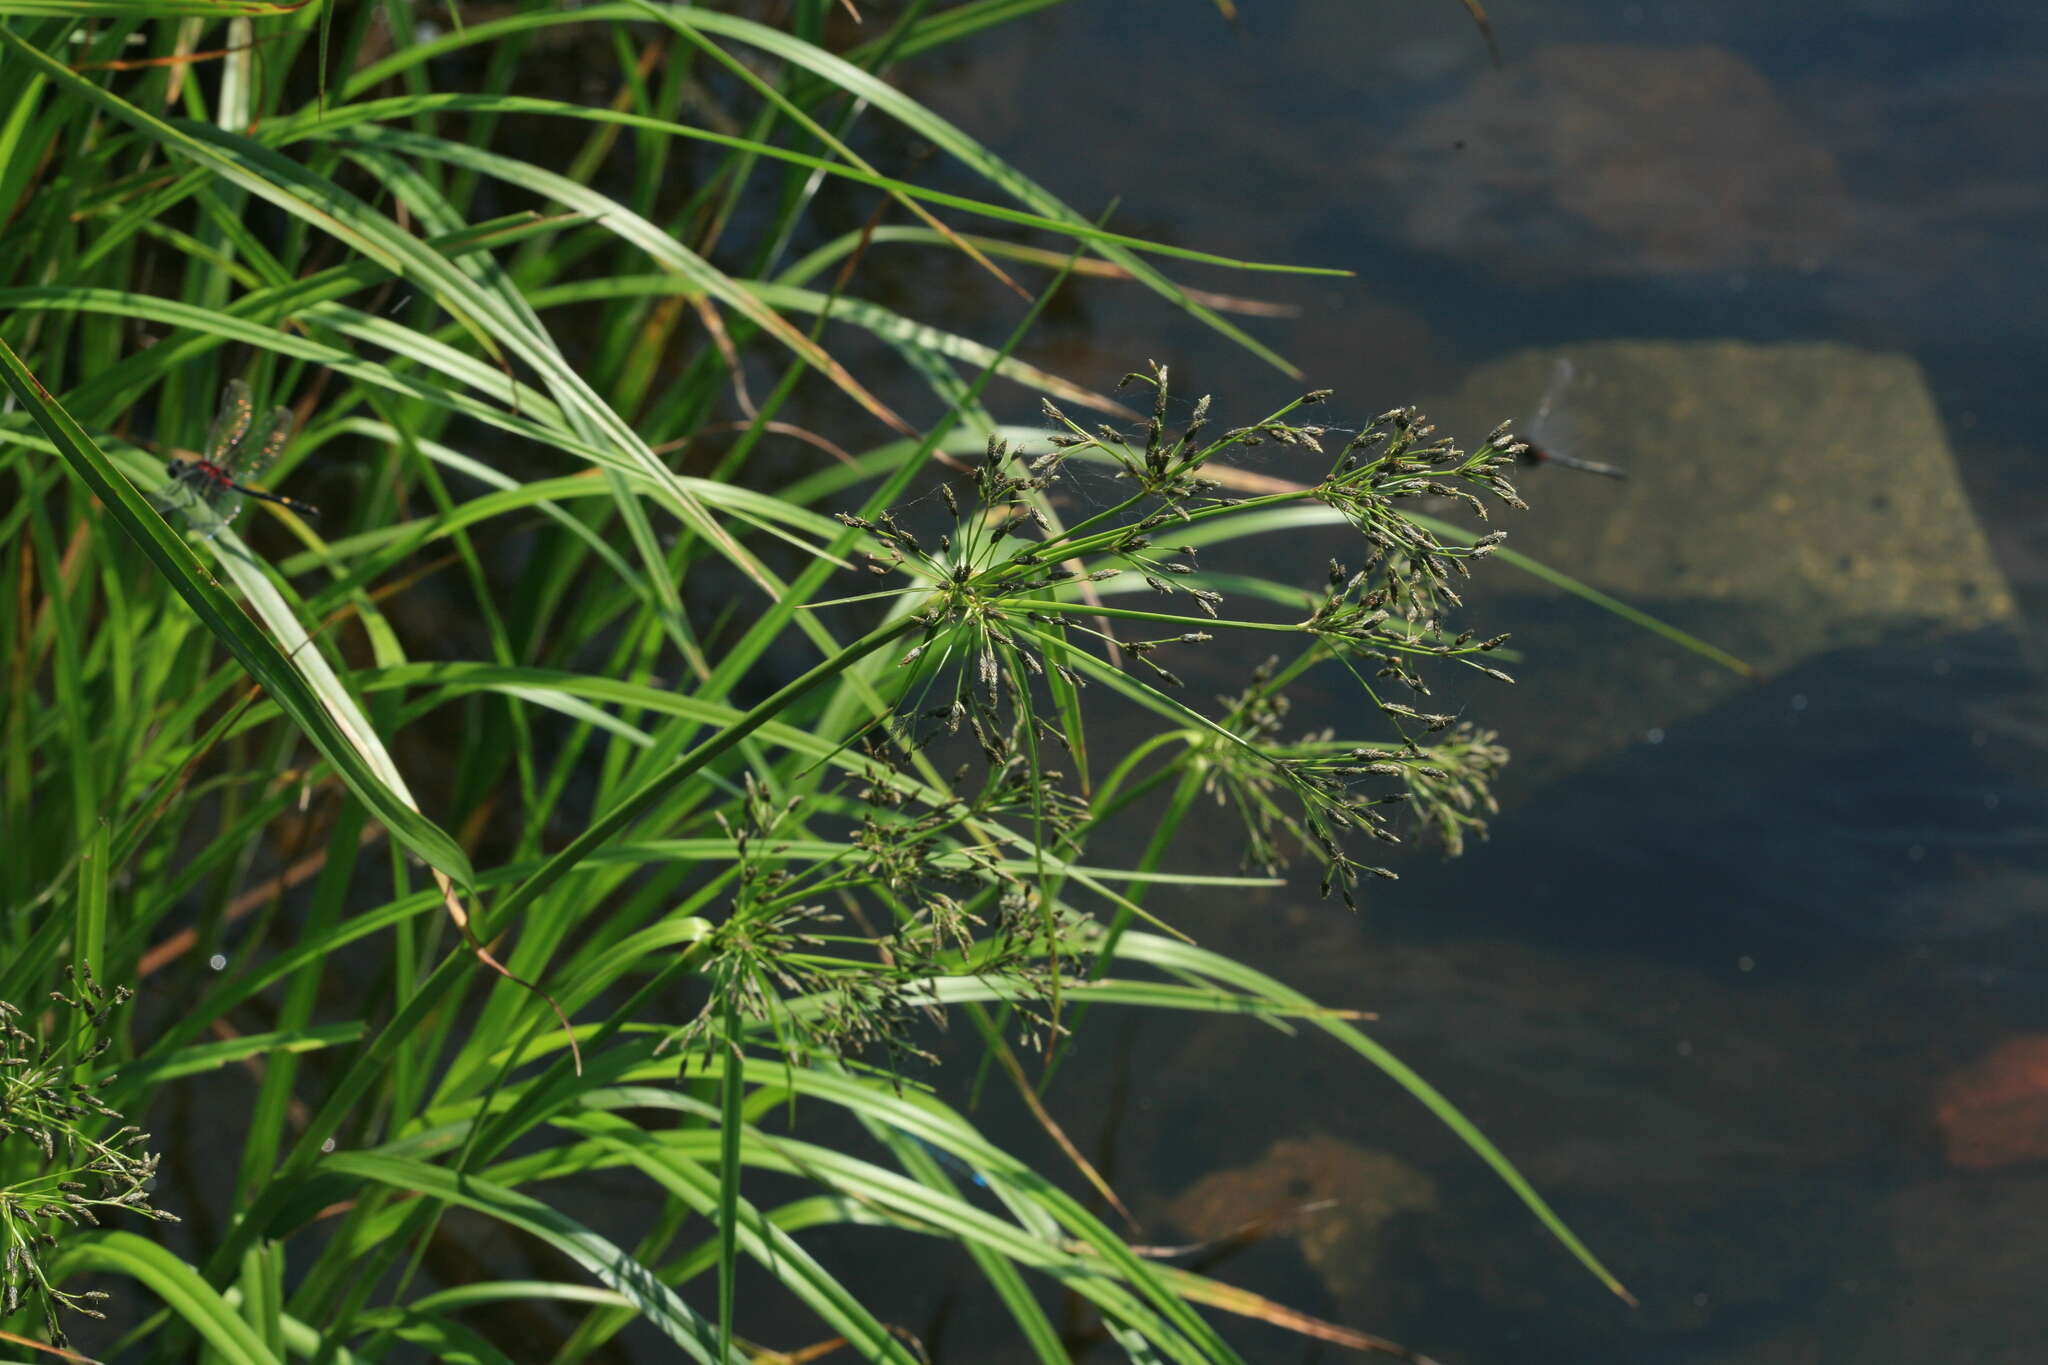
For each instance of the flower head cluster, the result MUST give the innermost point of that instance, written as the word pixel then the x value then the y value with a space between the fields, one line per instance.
pixel 1337 788
pixel 66 1158
pixel 835 944
pixel 1396 459
pixel 839 929
pixel 1012 617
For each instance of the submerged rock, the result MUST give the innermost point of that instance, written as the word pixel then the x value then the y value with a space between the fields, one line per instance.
pixel 1782 502
pixel 1613 159
pixel 1810 480
pixel 1995 1112
pixel 1338 1202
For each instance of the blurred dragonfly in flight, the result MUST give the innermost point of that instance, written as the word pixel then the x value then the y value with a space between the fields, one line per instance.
pixel 1549 428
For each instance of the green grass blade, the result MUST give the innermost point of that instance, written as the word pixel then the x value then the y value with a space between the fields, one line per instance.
pixel 190 1299
pixel 299 682
pixel 602 1259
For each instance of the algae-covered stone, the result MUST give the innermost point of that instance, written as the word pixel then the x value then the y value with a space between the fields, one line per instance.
pixel 1814 479
pixel 1781 502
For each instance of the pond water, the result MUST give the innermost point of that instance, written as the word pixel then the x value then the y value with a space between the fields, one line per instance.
pixel 1752 977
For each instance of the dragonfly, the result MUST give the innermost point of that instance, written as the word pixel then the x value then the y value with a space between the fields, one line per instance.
pixel 238 448
pixel 1545 426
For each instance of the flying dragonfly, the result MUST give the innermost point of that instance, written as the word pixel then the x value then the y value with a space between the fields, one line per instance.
pixel 238 449
pixel 1548 427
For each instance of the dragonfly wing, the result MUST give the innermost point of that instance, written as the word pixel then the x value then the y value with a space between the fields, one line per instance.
pixel 1541 422
pixel 263 447
pixel 1552 430
pixel 173 496
pixel 225 505
pixel 237 409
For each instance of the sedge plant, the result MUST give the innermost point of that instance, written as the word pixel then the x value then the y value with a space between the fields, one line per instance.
pixel 628 771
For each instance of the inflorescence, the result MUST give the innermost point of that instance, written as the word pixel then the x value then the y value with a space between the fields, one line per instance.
pixel 1012 626
pixel 58 1167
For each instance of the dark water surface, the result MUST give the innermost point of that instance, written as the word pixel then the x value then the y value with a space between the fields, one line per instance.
pixel 1749 976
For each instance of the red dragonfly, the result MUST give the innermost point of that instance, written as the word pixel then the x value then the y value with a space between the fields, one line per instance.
pixel 1546 426
pixel 234 453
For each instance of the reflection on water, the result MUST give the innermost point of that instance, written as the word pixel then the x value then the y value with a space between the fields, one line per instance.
pixel 1753 976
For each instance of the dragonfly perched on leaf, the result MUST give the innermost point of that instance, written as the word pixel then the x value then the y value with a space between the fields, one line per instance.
pixel 238 448
pixel 1548 428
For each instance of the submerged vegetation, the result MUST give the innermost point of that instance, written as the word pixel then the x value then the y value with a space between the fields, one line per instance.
pixel 601 784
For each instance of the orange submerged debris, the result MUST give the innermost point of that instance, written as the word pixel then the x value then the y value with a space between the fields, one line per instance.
pixel 1994 1112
